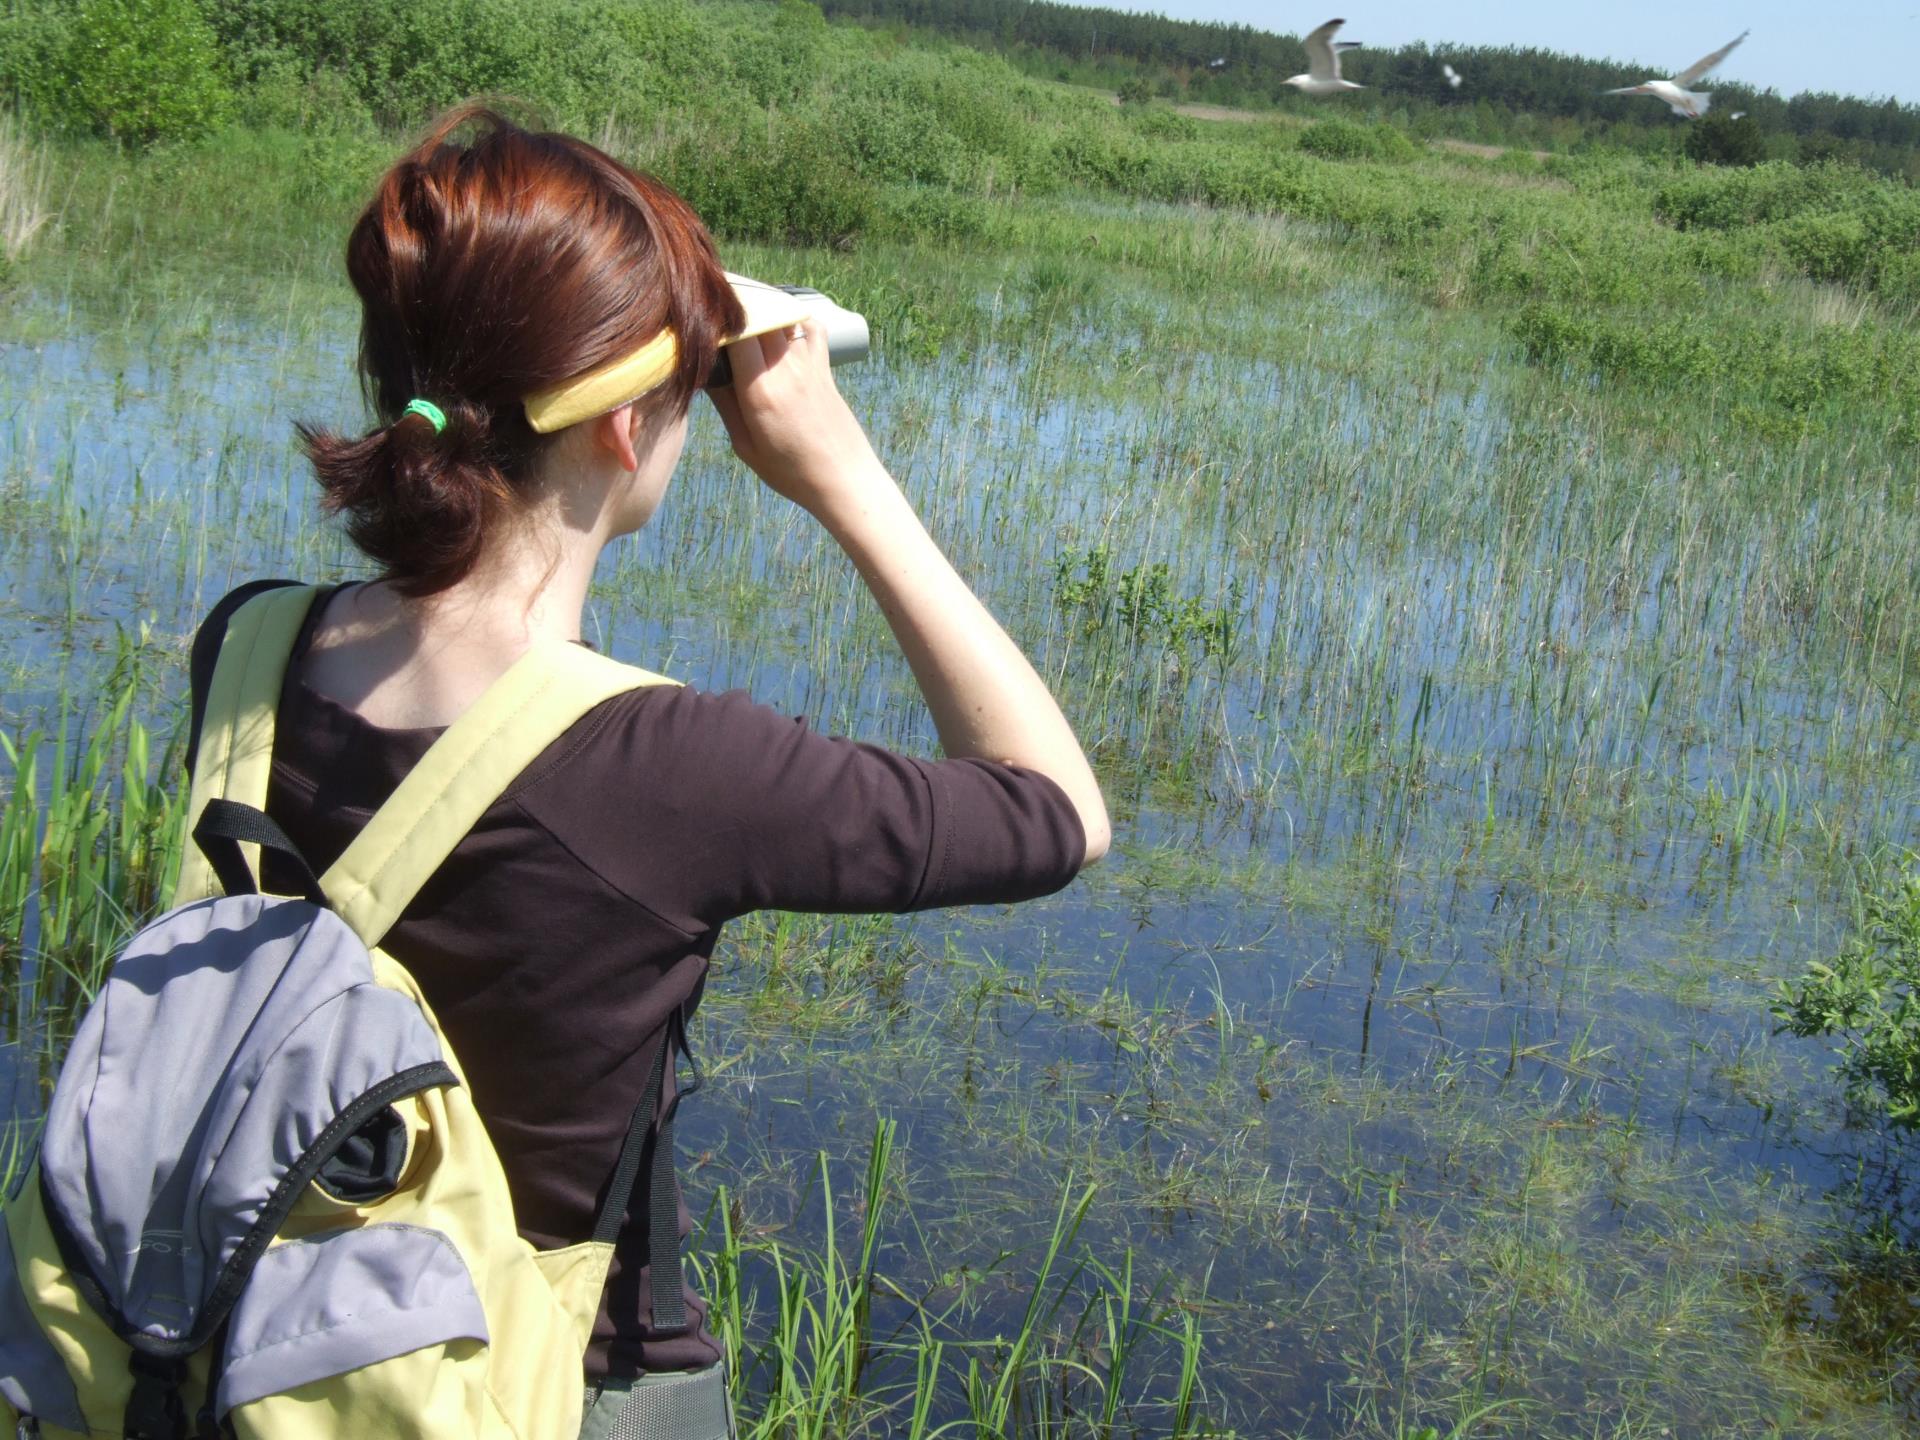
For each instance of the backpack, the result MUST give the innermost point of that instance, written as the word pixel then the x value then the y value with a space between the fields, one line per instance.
pixel 263 1203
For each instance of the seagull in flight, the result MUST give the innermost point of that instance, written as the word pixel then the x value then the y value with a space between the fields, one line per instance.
pixel 1453 76
pixel 1681 100
pixel 1323 63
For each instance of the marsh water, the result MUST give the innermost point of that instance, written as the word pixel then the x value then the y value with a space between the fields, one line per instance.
pixel 1476 770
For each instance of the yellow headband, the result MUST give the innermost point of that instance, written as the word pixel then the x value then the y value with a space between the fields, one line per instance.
pixel 766 307
pixel 604 389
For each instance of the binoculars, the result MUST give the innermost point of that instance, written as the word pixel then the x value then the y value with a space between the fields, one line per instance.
pixel 847 338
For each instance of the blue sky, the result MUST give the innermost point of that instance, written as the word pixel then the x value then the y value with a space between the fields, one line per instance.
pixel 1869 50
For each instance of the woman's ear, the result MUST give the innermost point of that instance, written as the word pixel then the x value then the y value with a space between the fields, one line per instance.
pixel 618 433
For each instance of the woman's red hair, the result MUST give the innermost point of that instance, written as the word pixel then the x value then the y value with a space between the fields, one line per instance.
pixel 489 267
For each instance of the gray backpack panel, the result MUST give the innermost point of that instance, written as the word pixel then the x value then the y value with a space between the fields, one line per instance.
pixel 33 1378
pixel 344 1299
pixel 231 1034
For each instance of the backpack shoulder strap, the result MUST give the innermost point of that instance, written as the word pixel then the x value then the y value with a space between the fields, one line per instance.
pixel 523 712
pixel 235 756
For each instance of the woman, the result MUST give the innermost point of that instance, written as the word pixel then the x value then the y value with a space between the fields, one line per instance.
pixel 508 280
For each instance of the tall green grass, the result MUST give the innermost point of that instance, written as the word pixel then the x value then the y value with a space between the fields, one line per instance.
pixel 90 831
pixel 807 1362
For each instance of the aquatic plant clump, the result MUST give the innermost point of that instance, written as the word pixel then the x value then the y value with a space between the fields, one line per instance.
pixel 1868 995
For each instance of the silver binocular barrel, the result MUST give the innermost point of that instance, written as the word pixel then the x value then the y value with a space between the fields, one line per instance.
pixel 848 340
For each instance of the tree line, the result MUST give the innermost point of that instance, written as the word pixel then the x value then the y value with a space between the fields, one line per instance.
pixel 1239 65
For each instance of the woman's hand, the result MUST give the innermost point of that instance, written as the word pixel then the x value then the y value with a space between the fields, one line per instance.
pixel 788 422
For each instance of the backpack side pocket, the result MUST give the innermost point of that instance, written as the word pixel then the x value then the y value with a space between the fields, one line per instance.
pixel 33 1378
pixel 357 1301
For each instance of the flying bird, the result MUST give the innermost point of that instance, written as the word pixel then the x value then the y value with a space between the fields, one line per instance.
pixel 1453 75
pixel 1323 63
pixel 1681 100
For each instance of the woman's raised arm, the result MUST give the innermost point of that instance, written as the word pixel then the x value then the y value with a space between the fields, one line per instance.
pixel 789 424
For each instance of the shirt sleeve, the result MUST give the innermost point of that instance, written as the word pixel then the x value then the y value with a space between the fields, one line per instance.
pixel 708 806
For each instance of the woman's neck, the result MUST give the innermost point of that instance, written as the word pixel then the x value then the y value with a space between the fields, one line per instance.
pixel 403 663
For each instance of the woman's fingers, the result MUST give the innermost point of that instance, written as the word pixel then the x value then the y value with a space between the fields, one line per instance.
pixel 768 351
pixel 747 361
pixel 815 339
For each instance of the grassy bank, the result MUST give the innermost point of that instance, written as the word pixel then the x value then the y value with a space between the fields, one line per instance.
pixel 1783 296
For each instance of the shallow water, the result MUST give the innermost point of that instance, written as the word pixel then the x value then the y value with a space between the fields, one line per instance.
pixel 1415 1035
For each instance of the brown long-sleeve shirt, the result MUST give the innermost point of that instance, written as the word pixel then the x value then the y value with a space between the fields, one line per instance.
pixel 563 933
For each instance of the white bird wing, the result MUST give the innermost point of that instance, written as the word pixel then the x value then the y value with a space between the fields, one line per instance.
pixel 1449 72
pixel 1323 63
pixel 1705 64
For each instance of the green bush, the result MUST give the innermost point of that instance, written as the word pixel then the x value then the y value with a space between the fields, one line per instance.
pixel 1869 996
pixel 958 119
pixel 1829 222
pixel 1156 123
pixel 1344 140
pixel 782 63
pixel 1897 277
pixel 322 103
pixel 1103 157
pixel 907 212
pixel 35 45
pixel 794 187
pixel 901 137
pixel 1729 200
pixel 1718 138
pixel 1828 247
pixel 582 61
pixel 145 70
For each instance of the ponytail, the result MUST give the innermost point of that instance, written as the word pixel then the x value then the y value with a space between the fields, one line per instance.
pixel 418 503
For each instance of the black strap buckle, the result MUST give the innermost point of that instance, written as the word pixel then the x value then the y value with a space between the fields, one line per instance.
pixel 155 1410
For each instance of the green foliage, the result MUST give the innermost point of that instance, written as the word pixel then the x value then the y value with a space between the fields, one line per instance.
pixel 1158 123
pixel 1869 996
pixel 786 62
pixel 1821 148
pixel 1798 379
pixel 1828 247
pixel 916 212
pixel 1829 222
pixel 582 60
pixel 322 102
pixel 145 70
pixel 1717 138
pixel 792 188
pixel 35 46
pixel 1144 603
pixel 1344 140
pixel 90 829
pixel 1135 90
pixel 958 119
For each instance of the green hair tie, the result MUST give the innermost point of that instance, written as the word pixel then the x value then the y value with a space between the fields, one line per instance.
pixel 429 412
